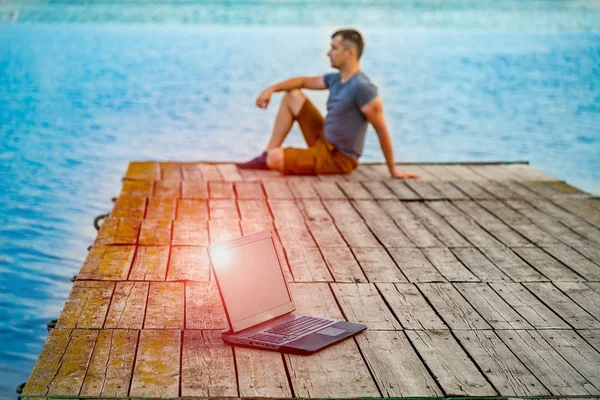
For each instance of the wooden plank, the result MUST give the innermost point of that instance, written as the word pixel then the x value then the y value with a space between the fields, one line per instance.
pixel 329 191
pixel 452 307
pixel 210 172
pixel 480 265
pixel 342 210
pixel 465 173
pixel 302 189
pixel 261 374
pixel 493 172
pixel 388 233
pixel 118 231
pixel 443 172
pixel 107 263
pixel 141 170
pixel 167 189
pixel 128 306
pixel 312 376
pixel 491 307
pixel 342 264
pixel 546 364
pixel 563 306
pixel 584 208
pixel 527 305
pixel 410 225
pixel 313 209
pixel 473 232
pixel 207 366
pixel 87 305
pixel 129 207
pixel 292 234
pixel 355 190
pixel 47 364
pixel 378 266
pixel 254 209
pixel 190 232
pixel 577 352
pixel 165 308
pixel 449 266
pixel 192 209
pixel 592 337
pixel 137 188
pixel 150 263
pixel 111 365
pixel 445 208
pixel 325 234
pixel 230 172
pixel 415 266
pixel 455 372
pixel 194 190
pixel 188 264
pixel 396 367
pixel 191 171
pixel 223 209
pixel 357 235
pixel 307 264
pixel 249 175
pixel 504 370
pixel 473 190
pixel 499 190
pixel 547 265
pixel 528 172
pixel 286 211
pixel 221 190
pixel 156 372
pixel 438 226
pixel 553 189
pixel 361 303
pixel 278 190
pixel 249 190
pixel 170 171
pixel 402 190
pixel 155 232
pixel 512 265
pixel 575 261
pixel 409 306
pixel 449 191
pixel 204 309
pixel 379 190
pixel 223 229
pixel 425 190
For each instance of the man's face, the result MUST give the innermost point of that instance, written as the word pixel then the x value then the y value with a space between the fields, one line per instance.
pixel 337 54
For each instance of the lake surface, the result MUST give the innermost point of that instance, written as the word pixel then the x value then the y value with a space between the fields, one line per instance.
pixel 87 86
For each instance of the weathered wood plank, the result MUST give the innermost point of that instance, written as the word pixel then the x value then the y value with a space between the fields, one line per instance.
pixel 584 295
pixel 111 366
pixel 196 209
pixel 473 189
pixel 129 207
pixel 223 229
pixel 170 171
pixel 107 263
pixel 452 307
pixel 47 364
pixel 357 235
pixel 87 305
pixel 415 266
pixel 547 265
pixel 378 266
pixel 302 189
pixel 329 191
pixel 410 225
pixel 362 303
pixel 395 365
pixel 563 306
pixel 493 172
pixel 137 188
pixel 448 265
pixel 190 232
pixel 207 366
pixel 528 306
pixel 402 190
pixel 254 209
pixel 292 234
pixel 449 191
pixel 261 374
pixel 221 190
pixel 592 337
pixel 189 263
pixel 454 371
pixel 480 265
pixel 286 211
pixel 307 264
pixel 546 364
pixel 150 263
pixel 278 190
pixel 527 172
pixel 156 232
pixel 230 172
pixel 342 264
pixel 165 309
pixel 342 211
pixel 156 372
pixel 355 190
pixel 409 306
pixel 379 190
pixel 204 309
pixel 141 170
pixel 313 209
pixel 191 171
pixel 210 172
pixel 587 209
pixel 438 226
pixel 326 234
pixel 128 306
pixel 512 265
pixel 312 376
pixel 249 190
pixel 425 190
pixel 194 190
pixel 491 307
pixel 223 209
pixel 500 365
pixel 167 189
pixel 118 231
pixel 575 261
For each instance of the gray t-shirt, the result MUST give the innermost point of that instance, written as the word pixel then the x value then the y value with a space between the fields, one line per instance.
pixel 345 125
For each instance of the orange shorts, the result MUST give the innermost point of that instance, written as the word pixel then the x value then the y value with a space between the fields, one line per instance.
pixel 321 157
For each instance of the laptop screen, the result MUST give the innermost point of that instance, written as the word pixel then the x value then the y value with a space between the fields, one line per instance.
pixel 251 282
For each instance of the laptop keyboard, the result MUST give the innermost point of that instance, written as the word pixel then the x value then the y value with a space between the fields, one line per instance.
pixel 292 329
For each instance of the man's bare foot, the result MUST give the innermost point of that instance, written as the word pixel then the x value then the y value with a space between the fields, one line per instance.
pixel 259 162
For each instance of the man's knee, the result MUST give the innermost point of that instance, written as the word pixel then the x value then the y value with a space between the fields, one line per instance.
pixel 295 100
pixel 275 159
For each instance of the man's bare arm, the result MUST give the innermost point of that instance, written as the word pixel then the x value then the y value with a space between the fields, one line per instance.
pixel 374 113
pixel 301 82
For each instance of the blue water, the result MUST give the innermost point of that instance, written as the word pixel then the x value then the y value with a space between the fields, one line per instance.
pixel 87 86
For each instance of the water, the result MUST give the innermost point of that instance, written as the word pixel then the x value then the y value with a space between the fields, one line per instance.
pixel 85 87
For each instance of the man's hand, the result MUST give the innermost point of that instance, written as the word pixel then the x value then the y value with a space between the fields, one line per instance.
pixel 403 175
pixel 263 99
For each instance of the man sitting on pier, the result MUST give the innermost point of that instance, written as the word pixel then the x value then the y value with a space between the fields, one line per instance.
pixel 336 142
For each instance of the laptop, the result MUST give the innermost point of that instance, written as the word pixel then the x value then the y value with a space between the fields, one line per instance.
pixel 258 303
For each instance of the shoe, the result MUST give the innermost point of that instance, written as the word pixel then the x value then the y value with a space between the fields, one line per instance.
pixel 259 162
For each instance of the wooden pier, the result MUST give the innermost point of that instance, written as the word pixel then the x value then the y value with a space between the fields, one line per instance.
pixel 475 280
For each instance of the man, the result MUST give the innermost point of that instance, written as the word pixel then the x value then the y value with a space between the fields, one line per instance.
pixel 336 142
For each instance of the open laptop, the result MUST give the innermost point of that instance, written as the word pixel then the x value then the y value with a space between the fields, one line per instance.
pixel 258 303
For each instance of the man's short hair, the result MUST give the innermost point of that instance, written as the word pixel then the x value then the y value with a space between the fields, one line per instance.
pixel 354 37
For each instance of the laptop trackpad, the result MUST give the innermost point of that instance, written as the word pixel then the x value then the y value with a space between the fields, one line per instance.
pixel 331 331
